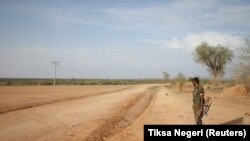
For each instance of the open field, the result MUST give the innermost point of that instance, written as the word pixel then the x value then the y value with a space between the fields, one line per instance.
pixel 113 113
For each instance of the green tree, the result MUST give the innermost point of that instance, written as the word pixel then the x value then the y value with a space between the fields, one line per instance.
pixel 214 57
pixel 165 76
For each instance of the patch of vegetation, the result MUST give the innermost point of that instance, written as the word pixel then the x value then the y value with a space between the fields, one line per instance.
pixel 49 82
pixel 179 81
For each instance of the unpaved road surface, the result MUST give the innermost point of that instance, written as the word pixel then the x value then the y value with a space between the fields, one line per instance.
pixel 20 97
pixel 89 118
pixel 118 115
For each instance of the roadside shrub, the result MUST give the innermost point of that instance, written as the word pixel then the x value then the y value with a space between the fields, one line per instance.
pixel 179 82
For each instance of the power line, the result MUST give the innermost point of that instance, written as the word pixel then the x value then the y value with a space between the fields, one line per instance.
pixel 55 64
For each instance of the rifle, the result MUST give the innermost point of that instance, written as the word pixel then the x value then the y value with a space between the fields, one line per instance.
pixel 207 104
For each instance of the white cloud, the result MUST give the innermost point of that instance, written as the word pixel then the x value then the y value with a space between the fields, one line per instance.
pixel 213 38
pixel 171 43
pixel 191 40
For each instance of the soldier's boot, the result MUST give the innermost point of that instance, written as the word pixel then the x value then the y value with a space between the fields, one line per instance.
pixel 199 122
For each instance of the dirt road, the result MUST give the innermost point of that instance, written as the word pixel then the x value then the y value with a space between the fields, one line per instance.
pixel 90 118
pixel 14 98
pixel 118 115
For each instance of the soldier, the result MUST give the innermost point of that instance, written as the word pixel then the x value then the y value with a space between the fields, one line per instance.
pixel 198 101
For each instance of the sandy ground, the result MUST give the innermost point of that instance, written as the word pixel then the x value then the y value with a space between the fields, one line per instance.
pixel 118 115
pixel 19 97
pixel 89 118
pixel 169 107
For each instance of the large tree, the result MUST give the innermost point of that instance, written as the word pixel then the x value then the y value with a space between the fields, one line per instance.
pixel 214 58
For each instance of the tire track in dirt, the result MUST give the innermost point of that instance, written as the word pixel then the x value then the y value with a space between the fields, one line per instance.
pixel 161 111
pixel 126 131
pixel 128 113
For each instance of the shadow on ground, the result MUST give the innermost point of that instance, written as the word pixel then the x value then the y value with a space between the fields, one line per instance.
pixel 234 121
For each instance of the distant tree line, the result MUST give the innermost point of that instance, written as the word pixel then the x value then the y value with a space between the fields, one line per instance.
pixel 48 82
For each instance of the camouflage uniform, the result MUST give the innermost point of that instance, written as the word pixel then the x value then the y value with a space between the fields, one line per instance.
pixel 197 93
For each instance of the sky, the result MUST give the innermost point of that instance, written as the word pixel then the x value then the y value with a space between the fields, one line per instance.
pixel 115 38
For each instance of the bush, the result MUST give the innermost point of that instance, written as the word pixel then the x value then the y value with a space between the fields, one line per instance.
pixel 8 83
pixel 179 81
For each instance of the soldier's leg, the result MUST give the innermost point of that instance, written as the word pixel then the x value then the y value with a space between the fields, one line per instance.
pixel 197 115
pixel 194 113
pixel 199 120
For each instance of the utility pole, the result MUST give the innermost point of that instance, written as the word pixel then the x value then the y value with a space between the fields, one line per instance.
pixel 55 64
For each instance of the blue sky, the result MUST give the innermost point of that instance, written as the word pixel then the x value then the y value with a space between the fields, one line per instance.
pixel 115 38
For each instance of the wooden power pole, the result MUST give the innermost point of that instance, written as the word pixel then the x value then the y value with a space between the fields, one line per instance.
pixel 55 64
